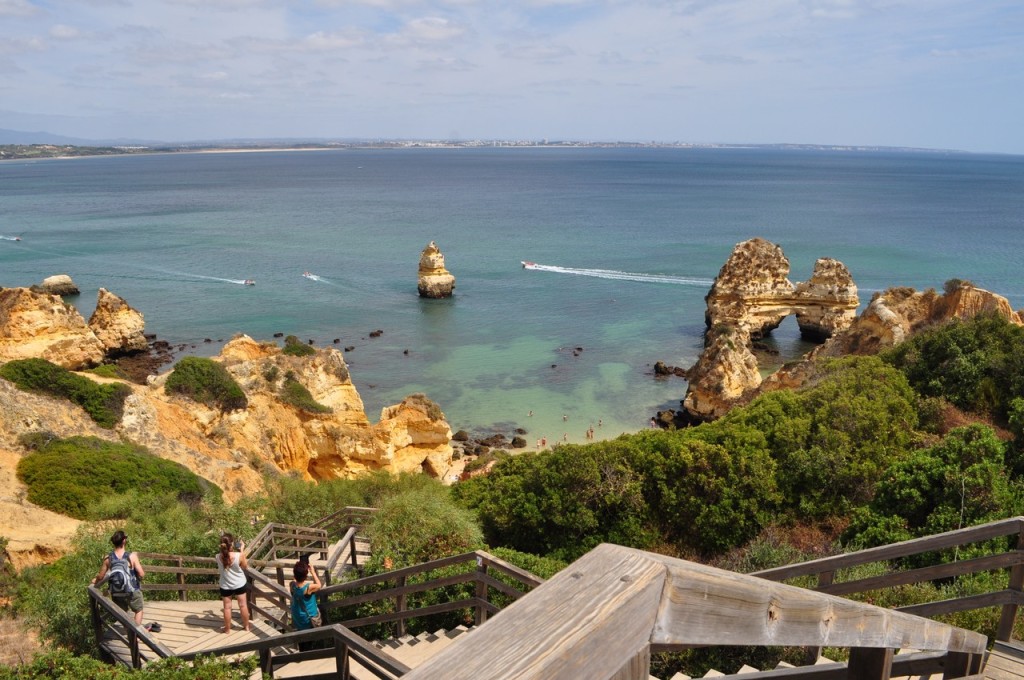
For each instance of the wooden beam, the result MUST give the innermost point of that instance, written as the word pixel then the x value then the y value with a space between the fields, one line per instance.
pixel 707 606
pixel 585 622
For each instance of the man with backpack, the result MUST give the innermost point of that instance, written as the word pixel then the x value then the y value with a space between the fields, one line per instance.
pixel 122 571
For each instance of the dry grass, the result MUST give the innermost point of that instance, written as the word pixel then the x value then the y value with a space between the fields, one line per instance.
pixel 18 642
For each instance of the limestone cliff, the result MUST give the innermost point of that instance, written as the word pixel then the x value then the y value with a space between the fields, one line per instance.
pixel 750 297
pixel 892 317
pixel 117 325
pixel 42 325
pixel 434 280
pixel 319 446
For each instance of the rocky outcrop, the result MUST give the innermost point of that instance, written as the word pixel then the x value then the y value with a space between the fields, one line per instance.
pixel 434 280
pixel 894 316
pixel 42 325
pixel 117 325
pixel 339 444
pixel 60 284
pixel 749 299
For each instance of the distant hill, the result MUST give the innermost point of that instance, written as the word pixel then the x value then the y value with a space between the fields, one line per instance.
pixel 22 137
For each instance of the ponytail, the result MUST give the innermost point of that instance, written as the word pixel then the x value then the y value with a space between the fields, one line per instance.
pixel 225 549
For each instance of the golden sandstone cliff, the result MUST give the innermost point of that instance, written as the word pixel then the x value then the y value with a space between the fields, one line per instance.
pixel 752 295
pixel 231 449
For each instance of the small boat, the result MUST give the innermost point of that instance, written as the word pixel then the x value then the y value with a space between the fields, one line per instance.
pixel 249 282
pixel 308 275
pixel 528 265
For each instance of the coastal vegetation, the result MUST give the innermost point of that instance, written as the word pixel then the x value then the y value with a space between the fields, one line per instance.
pixel 922 439
pixel 103 402
pixel 71 476
pixel 207 382
pixel 296 348
pixel 295 393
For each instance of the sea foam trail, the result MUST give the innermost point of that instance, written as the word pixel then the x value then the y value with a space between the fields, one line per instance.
pixel 623 276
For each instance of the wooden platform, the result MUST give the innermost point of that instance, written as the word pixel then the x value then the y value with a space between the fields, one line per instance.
pixel 197 626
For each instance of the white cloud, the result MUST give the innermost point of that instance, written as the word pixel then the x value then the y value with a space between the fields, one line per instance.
pixel 322 40
pixel 64 32
pixel 17 8
pixel 431 29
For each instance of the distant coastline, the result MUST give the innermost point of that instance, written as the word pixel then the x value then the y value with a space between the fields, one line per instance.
pixel 41 151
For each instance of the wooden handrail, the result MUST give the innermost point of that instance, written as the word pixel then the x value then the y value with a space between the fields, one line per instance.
pixel 915 546
pixel 601 616
pixel 1009 599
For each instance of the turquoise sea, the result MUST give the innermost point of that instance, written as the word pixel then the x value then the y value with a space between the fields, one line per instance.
pixel 176 234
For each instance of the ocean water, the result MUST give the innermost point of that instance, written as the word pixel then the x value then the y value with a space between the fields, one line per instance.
pixel 631 240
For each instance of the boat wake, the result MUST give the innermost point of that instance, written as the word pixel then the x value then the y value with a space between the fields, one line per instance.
pixel 312 277
pixel 621 276
pixel 9 238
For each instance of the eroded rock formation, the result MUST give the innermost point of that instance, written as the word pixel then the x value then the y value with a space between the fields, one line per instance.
pixel 117 325
pixel 42 325
pixel 891 317
pixel 750 297
pixel 434 280
pixel 60 284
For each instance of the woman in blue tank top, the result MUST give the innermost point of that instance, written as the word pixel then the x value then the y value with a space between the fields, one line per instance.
pixel 305 613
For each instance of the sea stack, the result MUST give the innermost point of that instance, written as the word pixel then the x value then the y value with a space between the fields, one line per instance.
pixel 434 280
pixel 748 300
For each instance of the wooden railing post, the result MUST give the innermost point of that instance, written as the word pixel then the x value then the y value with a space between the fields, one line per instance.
pixel 352 550
pixel 97 622
pixel 133 647
pixel 960 664
pixel 869 663
pixel 181 580
pixel 1016 584
pixel 400 605
pixel 811 654
pixel 481 591
pixel 341 658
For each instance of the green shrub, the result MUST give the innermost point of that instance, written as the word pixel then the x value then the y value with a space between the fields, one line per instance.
pixel 961 481
pixel 295 393
pixel 270 373
pixel 63 665
pixel 206 381
pixel 976 365
pixel 70 475
pixel 109 371
pixel 296 348
pixel 103 403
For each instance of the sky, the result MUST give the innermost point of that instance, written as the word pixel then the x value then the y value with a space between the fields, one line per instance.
pixel 946 74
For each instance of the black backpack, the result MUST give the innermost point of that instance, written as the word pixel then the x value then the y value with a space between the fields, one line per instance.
pixel 121 577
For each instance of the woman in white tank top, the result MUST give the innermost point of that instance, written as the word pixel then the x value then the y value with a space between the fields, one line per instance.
pixel 231 564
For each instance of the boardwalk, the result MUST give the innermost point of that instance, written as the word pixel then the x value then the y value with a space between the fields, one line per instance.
pixel 196 626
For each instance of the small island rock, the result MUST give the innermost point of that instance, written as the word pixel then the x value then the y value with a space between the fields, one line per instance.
pixel 434 280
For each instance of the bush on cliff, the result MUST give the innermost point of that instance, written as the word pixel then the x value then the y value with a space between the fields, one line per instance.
pixel 976 365
pixel 71 475
pixel 103 403
pixel 295 393
pixel 960 481
pixel 296 348
pixel 206 381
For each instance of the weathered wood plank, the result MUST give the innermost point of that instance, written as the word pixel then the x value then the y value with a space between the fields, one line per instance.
pixel 707 606
pixel 959 604
pixel 582 623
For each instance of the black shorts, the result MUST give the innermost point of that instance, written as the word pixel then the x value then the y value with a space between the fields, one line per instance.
pixel 237 591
